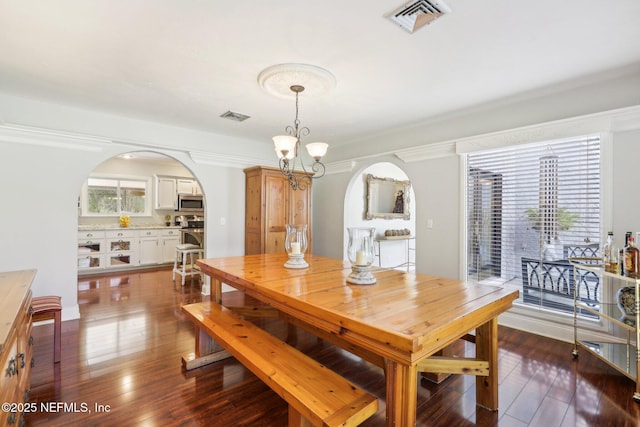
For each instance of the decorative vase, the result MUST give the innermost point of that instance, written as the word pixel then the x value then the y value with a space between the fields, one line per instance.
pixel 295 244
pixel 626 300
pixel 361 255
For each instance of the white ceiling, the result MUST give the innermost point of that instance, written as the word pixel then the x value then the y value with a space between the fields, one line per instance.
pixel 185 62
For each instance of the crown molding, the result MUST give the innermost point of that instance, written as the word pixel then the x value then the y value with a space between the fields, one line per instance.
pixel 426 152
pixel 19 134
pixel 621 120
pixel 215 159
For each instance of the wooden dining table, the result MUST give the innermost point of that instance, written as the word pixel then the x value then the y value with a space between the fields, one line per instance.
pixel 398 323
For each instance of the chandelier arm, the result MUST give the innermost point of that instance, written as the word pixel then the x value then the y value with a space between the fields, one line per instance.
pixel 318 168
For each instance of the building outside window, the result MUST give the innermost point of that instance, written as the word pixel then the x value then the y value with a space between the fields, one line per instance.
pixel 529 208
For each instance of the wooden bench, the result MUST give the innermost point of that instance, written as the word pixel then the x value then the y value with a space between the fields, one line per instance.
pixel 315 394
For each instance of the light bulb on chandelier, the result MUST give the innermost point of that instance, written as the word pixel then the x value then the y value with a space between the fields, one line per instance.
pixel 287 148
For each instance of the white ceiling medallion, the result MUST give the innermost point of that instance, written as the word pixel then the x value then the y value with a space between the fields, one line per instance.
pixel 278 79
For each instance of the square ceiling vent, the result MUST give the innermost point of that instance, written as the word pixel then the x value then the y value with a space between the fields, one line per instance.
pixel 416 14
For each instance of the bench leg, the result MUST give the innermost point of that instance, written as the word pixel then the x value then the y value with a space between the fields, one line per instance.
pixel 57 335
pixel 207 350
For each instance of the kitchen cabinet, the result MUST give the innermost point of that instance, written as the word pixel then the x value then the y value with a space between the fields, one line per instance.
pixel 91 250
pixel 271 204
pixel 122 248
pixel 16 344
pixel 188 186
pixel 166 193
pixel 619 353
pixel 148 247
pixel 169 239
pixel 125 248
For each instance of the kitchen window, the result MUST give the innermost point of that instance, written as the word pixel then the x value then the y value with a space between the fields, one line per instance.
pixel 530 207
pixel 111 196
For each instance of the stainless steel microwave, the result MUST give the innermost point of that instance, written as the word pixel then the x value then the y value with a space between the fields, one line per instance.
pixel 188 203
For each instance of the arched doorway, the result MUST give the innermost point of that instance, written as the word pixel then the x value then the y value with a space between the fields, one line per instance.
pixel 148 188
pixel 397 251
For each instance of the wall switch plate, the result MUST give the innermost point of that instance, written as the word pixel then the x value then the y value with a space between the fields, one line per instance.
pixel 429 223
pixel 223 220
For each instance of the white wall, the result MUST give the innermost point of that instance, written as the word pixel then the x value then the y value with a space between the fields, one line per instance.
pixel 436 179
pixel 43 172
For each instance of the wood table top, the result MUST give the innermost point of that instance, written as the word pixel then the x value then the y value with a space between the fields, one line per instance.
pixel 404 316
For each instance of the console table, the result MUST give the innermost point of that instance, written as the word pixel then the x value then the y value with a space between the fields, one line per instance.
pixel 406 239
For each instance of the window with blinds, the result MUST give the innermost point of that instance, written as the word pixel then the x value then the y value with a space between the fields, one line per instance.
pixel 538 202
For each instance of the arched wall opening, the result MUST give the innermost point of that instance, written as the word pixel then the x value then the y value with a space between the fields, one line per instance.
pixel 142 173
pixel 389 253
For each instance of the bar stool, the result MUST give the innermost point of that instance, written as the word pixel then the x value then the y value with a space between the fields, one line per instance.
pixel 49 308
pixel 184 263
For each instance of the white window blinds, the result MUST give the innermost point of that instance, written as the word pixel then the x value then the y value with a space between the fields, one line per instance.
pixel 531 201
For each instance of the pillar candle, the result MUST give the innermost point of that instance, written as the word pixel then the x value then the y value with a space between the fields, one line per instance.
pixel 295 248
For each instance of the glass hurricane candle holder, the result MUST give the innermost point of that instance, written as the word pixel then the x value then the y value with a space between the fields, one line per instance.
pixel 296 245
pixel 361 255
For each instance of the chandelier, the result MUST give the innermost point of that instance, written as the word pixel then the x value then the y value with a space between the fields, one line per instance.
pixel 288 146
pixel 282 80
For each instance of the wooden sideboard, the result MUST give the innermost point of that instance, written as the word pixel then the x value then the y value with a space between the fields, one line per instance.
pixel 16 346
pixel 271 204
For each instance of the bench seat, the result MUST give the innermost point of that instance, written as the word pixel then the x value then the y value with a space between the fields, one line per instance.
pixel 315 394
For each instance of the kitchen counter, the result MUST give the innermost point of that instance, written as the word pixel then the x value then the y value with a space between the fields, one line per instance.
pixel 131 226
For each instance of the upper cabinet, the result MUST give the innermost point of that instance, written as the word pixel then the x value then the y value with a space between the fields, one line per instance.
pixel 188 186
pixel 168 188
pixel 166 194
pixel 270 205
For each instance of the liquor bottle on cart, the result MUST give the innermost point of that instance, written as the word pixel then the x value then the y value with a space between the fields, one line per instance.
pixel 631 260
pixel 611 255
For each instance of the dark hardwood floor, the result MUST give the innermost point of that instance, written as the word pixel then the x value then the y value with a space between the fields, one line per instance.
pixel 121 367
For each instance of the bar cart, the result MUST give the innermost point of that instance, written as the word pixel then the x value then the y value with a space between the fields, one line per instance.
pixel 621 354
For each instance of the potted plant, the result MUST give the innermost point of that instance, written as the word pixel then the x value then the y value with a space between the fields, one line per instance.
pixel 167 219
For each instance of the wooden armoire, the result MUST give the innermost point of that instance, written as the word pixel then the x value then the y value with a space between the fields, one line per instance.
pixel 271 204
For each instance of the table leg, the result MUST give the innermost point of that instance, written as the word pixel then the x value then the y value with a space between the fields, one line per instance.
pixel 217 291
pixel 402 394
pixel 487 349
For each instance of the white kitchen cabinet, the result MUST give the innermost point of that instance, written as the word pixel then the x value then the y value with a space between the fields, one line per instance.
pixel 169 239
pixel 166 193
pixel 128 248
pixel 122 248
pixel 148 247
pixel 188 186
pixel 91 250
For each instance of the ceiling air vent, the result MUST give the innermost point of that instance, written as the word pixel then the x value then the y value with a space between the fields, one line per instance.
pixel 416 14
pixel 238 117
